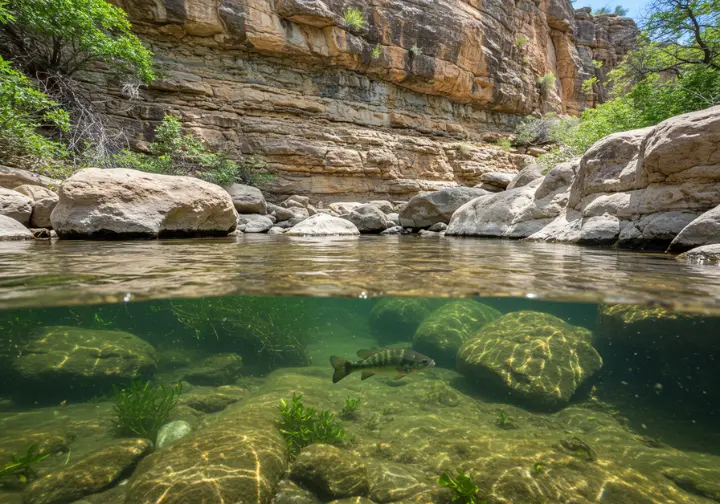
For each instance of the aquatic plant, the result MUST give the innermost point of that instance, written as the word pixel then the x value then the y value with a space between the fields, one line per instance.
pixel 21 468
pixel 462 487
pixel 350 408
pixel 354 18
pixel 538 468
pixel 504 422
pixel 141 408
pixel 303 426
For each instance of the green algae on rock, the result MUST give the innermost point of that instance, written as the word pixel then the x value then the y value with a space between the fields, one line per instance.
pixel 535 356
pixel 396 319
pixel 443 332
pixel 63 362
pixel 93 473
pixel 331 472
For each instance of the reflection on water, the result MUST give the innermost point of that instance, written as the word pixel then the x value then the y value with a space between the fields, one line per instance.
pixel 534 401
pixel 61 272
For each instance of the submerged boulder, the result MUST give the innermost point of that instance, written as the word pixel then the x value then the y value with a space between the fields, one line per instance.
pixel 323 225
pixel 707 254
pixel 10 229
pixel 396 319
pixel 424 210
pixel 15 205
pixel 369 219
pixel 443 332
pixel 331 472
pixel 123 203
pixel 220 369
pixel 44 202
pixel 535 356
pixel 247 199
pixel 64 362
pixel 94 473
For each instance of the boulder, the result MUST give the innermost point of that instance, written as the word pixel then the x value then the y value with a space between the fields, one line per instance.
pixel 384 206
pixel 123 203
pixel 323 225
pixel 94 473
pixel 526 175
pixel 343 207
pixel 296 201
pixel 172 432
pixel 253 223
pixel 424 210
pixel 331 472
pixel 394 218
pixel 276 230
pixel 10 229
pixel 289 492
pixel 443 331
pixel 394 230
pixel 13 177
pixel 44 202
pixel 219 369
pixel 247 199
pixel 426 233
pixel 707 254
pixel 498 179
pixel 400 483
pixel 534 356
pixel 396 319
pixel 16 206
pixel 369 219
pixel 71 362
pixel 438 227
pixel 704 230
pixel 280 213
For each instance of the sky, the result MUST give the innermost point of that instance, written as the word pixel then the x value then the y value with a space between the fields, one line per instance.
pixel 636 8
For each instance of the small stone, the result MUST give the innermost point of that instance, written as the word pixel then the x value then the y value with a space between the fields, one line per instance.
pixel 395 230
pixel 438 227
pixel 171 432
pixel 276 230
pixel 254 223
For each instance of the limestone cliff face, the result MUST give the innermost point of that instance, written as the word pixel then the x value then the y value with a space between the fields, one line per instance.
pixel 379 110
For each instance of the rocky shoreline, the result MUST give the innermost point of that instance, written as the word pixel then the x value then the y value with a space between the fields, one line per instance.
pixel 655 188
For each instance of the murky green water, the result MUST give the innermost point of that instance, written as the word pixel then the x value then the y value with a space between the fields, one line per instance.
pixel 562 374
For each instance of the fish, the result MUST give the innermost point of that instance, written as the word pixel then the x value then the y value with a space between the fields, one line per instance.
pixel 393 361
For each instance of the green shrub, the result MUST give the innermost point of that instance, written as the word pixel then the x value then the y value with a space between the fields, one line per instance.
pixel 505 144
pixel 588 84
pixel 546 84
pixel 354 18
pixel 464 490
pixel 521 41
pixel 415 50
pixel 350 408
pixel 376 52
pixel 303 426
pixel 176 153
pixel 141 408
pixel 597 64
pixel 535 130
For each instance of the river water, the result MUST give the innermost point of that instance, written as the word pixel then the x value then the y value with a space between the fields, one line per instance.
pixel 561 373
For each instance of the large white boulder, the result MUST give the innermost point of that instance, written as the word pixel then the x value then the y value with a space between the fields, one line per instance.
pixel 10 229
pixel 323 225
pixel 123 203
pixel 15 205
pixel 44 202
pixel 424 210
pixel 247 199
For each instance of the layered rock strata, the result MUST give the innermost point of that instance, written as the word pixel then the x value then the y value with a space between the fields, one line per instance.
pixel 374 109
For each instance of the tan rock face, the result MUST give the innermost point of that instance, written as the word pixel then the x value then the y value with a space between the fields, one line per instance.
pixel 123 203
pixel 340 110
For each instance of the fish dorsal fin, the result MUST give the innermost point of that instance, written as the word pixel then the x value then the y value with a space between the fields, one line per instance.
pixel 366 374
pixel 365 353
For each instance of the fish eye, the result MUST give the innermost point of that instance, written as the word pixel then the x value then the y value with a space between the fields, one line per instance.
pixel 424 361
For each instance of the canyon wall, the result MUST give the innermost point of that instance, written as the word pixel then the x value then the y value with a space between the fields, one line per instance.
pixel 411 101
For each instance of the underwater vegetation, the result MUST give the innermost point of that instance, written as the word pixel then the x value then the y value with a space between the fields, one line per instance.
pixel 463 489
pixel 20 469
pixel 578 447
pixel 504 422
pixel 303 426
pixel 350 408
pixel 141 408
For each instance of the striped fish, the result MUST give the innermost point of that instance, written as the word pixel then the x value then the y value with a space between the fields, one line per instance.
pixel 394 361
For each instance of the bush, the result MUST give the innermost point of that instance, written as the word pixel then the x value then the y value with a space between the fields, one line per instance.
pixel 354 18
pixel 521 40
pixel 535 130
pixel 588 84
pixel 176 153
pixel 141 409
pixel 546 84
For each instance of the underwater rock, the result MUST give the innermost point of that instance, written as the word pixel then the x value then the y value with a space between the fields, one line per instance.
pixel 254 223
pixel 171 432
pixel 535 356
pixel 331 471
pixel 15 205
pixel 698 482
pixel 368 219
pixel 289 492
pixel 322 224
pixel 44 202
pixel 240 457
pixel 10 229
pixel 68 362
pixel 394 482
pixel 526 175
pixel 707 254
pixel 396 319
pixel 124 203
pixel 424 210
pixel 220 369
pixel 443 332
pixel 247 199
pixel 211 403
pixel 93 473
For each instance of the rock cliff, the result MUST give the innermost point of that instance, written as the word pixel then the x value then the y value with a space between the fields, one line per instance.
pixel 378 110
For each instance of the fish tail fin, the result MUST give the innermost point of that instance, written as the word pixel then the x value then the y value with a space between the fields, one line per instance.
pixel 341 366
